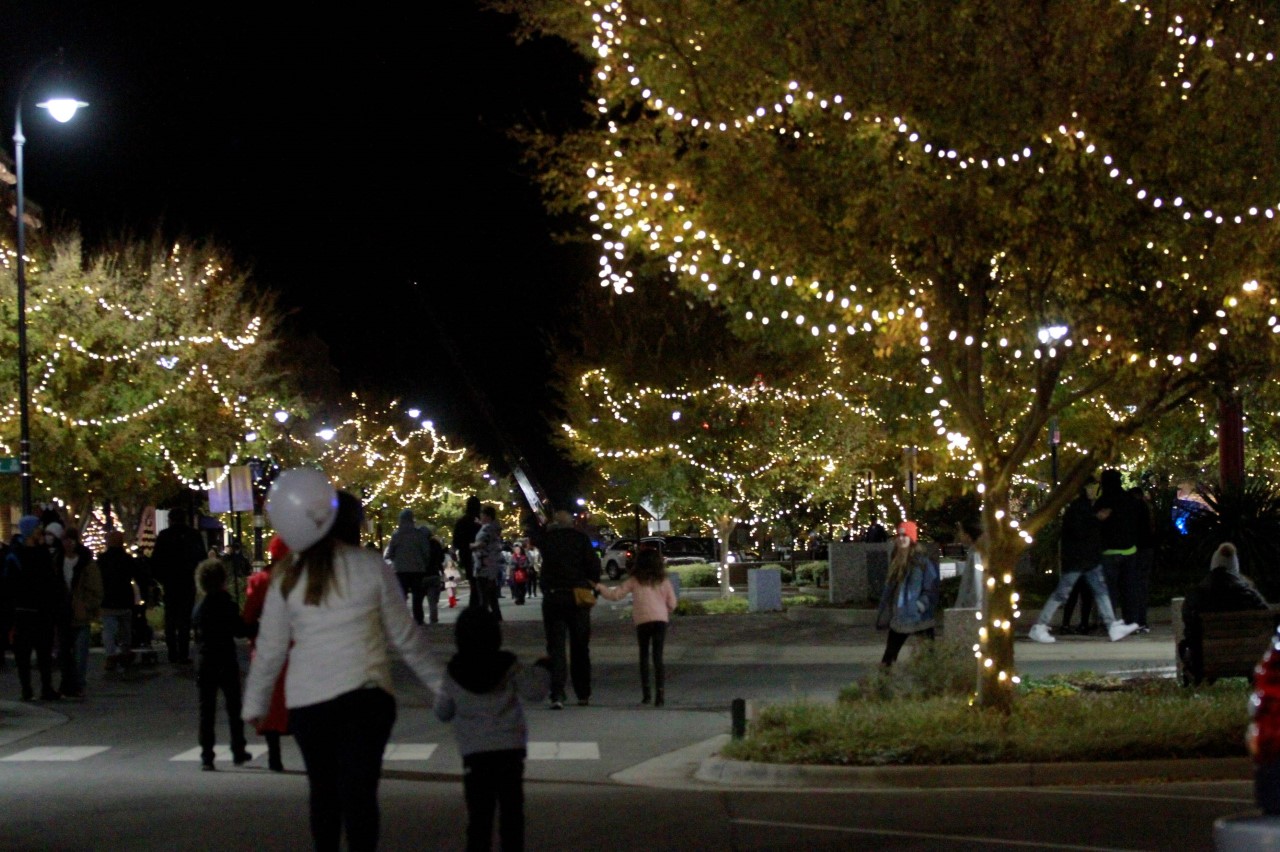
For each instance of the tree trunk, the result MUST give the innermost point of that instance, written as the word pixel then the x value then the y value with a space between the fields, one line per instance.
pixel 996 678
pixel 1230 440
pixel 724 529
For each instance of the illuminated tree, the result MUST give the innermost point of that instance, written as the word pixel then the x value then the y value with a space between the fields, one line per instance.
pixel 1027 211
pixel 148 363
pixel 394 462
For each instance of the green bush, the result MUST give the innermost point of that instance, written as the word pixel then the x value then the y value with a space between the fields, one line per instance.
pixel 1157 719
pixel 800 600
pixel 699 575
pixel 726 606
pixel 932 670
pixel 812 573
pixel 684 606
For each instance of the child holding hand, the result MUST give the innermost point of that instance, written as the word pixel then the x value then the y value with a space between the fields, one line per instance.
pixel 652 601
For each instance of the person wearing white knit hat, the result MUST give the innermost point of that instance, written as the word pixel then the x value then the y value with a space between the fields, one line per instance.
pixel 1224 590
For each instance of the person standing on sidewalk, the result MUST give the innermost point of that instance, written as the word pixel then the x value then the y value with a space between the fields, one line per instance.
pixel 909 602
pixel 464 533
pixel 117 569
pixel 1081 543
pixel 489 561
pixel 1118 512
pixel 37 594
pixel 275 723
pixel 82 603
pixel 569 563
pixel 653 599
pixel 177 552
pixel 410 554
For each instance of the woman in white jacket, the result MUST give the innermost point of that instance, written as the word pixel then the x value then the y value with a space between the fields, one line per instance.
pixel 334 611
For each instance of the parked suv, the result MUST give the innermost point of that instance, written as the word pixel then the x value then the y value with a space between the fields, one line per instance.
pixel 616 559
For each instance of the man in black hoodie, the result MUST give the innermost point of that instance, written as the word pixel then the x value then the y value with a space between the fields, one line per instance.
pixel 1224 590
pixel 569 562
pixel 464 533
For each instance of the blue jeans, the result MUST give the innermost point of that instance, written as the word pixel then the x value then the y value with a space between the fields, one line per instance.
pixel 1065 583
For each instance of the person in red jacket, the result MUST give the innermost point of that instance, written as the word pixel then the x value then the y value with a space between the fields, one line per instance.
pixel 276 721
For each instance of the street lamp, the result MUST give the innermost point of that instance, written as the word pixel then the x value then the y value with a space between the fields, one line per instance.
pixel 62 109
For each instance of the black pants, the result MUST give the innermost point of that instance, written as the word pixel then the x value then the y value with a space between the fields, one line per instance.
pixel 654 632
pixel 432 584
pixel 486 596
pixel 178 604
pixel 1122 584
pixel 561 618
pixel 219 675
pixel 342 741
pixel 1143 562
pixel 494 779
pixel 411 584
pixel 895 643
pixel 33 631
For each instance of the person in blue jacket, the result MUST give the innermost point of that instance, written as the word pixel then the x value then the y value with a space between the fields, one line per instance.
pixel 909 602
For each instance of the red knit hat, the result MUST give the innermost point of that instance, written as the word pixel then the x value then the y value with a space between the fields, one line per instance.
pixel 908 528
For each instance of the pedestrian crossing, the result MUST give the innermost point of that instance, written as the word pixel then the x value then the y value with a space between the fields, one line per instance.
pixel 398 752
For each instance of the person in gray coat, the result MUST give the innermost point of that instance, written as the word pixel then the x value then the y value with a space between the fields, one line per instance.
pixel 481 694
pixel 410 555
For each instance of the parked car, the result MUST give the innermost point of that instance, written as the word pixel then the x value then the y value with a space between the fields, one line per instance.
pixel 616 559
pixel 1263 740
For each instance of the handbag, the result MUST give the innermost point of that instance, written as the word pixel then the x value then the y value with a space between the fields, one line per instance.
pixel 584 597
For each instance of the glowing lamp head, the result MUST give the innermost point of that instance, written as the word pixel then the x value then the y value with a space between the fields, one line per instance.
pixel 281 416
pixel 62 109
pixel 326 434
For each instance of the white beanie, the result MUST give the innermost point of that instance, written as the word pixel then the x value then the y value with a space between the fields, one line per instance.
pixel 54 529
pixel 1225 557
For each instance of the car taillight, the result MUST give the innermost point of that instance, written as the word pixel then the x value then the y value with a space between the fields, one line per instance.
pixel 1263 735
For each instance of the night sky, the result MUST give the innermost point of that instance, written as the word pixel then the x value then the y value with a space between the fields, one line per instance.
pixel 359 166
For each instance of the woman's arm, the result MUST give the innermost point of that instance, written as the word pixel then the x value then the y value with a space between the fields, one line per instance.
pixel 402 632
pixel 616 593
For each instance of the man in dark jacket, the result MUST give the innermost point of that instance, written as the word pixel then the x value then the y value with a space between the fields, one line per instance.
pixel 1081 555
pixel 410 553
pixel 178 550
pixel 117 569
pixel 1119 514
pixel 37 596
pixel 1224 590
pixel 568 562
pixel 464 533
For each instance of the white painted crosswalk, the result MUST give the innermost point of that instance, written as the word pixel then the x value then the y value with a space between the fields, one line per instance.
pixel 399 752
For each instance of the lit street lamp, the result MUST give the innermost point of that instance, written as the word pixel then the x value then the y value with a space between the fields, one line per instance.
pixel 62 109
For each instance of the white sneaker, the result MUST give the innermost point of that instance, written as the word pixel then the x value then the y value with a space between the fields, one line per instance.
pixel 1040 633
pixel 1118 630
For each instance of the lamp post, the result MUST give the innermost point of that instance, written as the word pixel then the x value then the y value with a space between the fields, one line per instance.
pixel 62 109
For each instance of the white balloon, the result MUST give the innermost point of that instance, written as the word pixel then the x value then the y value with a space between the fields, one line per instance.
pixel 302 506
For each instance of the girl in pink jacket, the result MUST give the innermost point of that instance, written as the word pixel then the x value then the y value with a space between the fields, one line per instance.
pixel 652 601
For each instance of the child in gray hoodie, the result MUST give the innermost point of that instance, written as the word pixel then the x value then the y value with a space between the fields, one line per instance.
pixel 481 694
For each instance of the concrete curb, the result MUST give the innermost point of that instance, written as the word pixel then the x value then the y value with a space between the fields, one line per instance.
pixel 736 773
pixel 19 720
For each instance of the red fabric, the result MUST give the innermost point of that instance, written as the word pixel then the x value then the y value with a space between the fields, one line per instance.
pixel 255 598
pixel 277 549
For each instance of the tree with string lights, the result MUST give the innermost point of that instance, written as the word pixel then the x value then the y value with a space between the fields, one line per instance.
pixel 1027 211
pixel 149 362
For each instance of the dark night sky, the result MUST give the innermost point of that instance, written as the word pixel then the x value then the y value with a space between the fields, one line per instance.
pixel 342 159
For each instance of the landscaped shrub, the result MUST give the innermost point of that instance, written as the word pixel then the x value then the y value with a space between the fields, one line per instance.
pixel 699 575
pixel 726 606
pixel 931 669
pixel 789 601
pixel 684 606
pixel 1157 719
pixel 812 573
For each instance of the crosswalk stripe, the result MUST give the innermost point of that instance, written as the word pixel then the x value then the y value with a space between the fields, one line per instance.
pixel 409 751
pixel 537 750
pixel 55 753
pixel 563 751
pixel 220 752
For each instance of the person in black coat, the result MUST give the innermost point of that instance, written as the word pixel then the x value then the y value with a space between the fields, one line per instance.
pixel 217 623
pixel 1224 590
pixel 36 591
pixel 178 550
pixel 117 569
pixel 464 533
pixel 569 562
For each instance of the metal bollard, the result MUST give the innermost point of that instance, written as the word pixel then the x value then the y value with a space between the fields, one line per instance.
pixel 738 713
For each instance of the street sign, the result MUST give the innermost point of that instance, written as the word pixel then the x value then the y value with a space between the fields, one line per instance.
pixel 10 465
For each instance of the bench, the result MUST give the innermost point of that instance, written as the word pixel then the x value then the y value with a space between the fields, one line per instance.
pixel 1233 642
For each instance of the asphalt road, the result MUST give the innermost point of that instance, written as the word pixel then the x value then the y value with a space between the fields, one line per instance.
pixel 124 789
